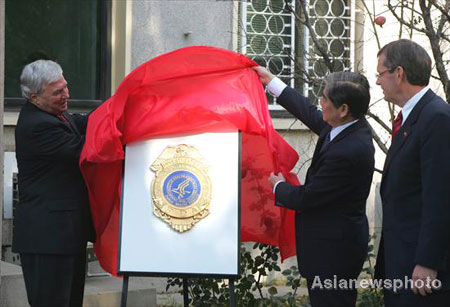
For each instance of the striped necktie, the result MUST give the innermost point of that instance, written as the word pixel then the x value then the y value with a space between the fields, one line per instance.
pixel 397 124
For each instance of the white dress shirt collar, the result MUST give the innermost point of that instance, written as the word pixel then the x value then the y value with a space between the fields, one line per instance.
pixel 336 130
pixel 411 103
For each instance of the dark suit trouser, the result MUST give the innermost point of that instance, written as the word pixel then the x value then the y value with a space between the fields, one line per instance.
pixel 54 280
pixel 331 297
pixel 436 299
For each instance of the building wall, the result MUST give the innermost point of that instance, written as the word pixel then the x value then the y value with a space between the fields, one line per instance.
pixel 163 26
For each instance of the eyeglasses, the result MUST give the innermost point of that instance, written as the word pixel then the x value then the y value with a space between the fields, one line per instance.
pixel 378 75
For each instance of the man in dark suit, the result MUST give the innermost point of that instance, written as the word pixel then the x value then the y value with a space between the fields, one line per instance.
pixel 415 188
pixel 52 222
pixel 331 223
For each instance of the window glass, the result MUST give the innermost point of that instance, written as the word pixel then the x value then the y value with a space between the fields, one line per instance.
pixel 66 31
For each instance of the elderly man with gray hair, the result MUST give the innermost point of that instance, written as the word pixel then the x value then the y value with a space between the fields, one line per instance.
pixel 52 222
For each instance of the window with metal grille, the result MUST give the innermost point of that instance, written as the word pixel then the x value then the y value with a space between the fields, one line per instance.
pixel 275 34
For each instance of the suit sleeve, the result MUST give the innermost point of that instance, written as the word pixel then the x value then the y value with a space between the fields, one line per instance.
pixel 56 141
pixel 434 237
pixel 300 106
pixel 328 186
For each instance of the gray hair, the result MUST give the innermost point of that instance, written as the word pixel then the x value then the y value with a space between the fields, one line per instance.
pixel 38 74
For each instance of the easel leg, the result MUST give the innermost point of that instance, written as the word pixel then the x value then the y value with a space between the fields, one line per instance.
pixel 231 287
pixel 123 302
pixel 185 293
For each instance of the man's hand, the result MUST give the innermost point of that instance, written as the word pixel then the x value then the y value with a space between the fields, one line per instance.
pixel 265 76
pixel 274 179
pixel 427 276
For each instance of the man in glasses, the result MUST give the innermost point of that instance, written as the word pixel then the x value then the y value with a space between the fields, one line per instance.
pixel 415 188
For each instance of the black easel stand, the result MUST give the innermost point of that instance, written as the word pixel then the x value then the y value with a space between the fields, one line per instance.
pixel 185 293
pixel 123 302
pixel 231 288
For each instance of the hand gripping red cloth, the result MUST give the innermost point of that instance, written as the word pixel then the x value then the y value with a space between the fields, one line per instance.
pixel 189 91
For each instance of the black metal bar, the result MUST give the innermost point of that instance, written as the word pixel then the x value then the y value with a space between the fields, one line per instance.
pixel 231 288
pixel 185 293
pixel 75 105
pixel 123 302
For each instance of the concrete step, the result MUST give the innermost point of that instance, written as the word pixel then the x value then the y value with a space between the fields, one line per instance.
pixel 100 291
pixel 107 291
pixel 12 292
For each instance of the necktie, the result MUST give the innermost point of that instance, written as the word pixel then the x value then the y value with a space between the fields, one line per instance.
pixel 64 119
pixel 397 123
pixel 325 142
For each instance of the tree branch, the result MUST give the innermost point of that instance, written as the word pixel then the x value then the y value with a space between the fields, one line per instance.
pixel 411 32
pixel 401 21
pixel 435 48
pixel 379 121
pixel 378 170
pixel 377 140
pixel 444 11
pixel 372 21
pixel 323 52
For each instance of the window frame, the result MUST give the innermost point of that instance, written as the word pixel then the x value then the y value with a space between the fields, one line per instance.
pixel 303 38
pixel 14 104
pixel 274 108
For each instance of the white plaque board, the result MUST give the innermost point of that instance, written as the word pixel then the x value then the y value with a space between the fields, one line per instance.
pixel 148 245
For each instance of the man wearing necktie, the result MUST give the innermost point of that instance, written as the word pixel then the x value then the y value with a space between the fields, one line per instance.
pixel 415 187
pixel 331 223
pixel 52 221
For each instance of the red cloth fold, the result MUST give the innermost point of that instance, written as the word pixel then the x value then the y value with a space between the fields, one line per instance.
pixel 188 91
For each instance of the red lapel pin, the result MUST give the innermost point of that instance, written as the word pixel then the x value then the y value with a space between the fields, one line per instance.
pixel 405 134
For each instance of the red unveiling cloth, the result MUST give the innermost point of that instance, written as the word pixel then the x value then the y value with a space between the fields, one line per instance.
pixel 189 91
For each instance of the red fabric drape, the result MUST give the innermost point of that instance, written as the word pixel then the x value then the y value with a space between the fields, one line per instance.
pixel 189 91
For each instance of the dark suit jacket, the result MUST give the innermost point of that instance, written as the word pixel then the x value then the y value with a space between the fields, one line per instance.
pixel 331 223
pixel 415 191
pixel 52 216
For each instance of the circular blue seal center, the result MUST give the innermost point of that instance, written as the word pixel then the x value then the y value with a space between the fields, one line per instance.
pixel 181 188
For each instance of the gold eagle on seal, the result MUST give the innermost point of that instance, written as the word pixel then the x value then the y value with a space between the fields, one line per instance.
pixel 181 189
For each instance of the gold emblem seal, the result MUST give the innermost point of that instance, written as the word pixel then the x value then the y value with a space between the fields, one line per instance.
pixel 181 189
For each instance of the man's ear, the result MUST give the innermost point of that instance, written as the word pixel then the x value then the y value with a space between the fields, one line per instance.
pixel 345 111
pixel 33 98
pixel 400 74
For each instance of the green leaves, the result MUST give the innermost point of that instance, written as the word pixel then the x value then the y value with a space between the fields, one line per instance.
pixel 248 288
pixel 256 263
pixel 272 291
